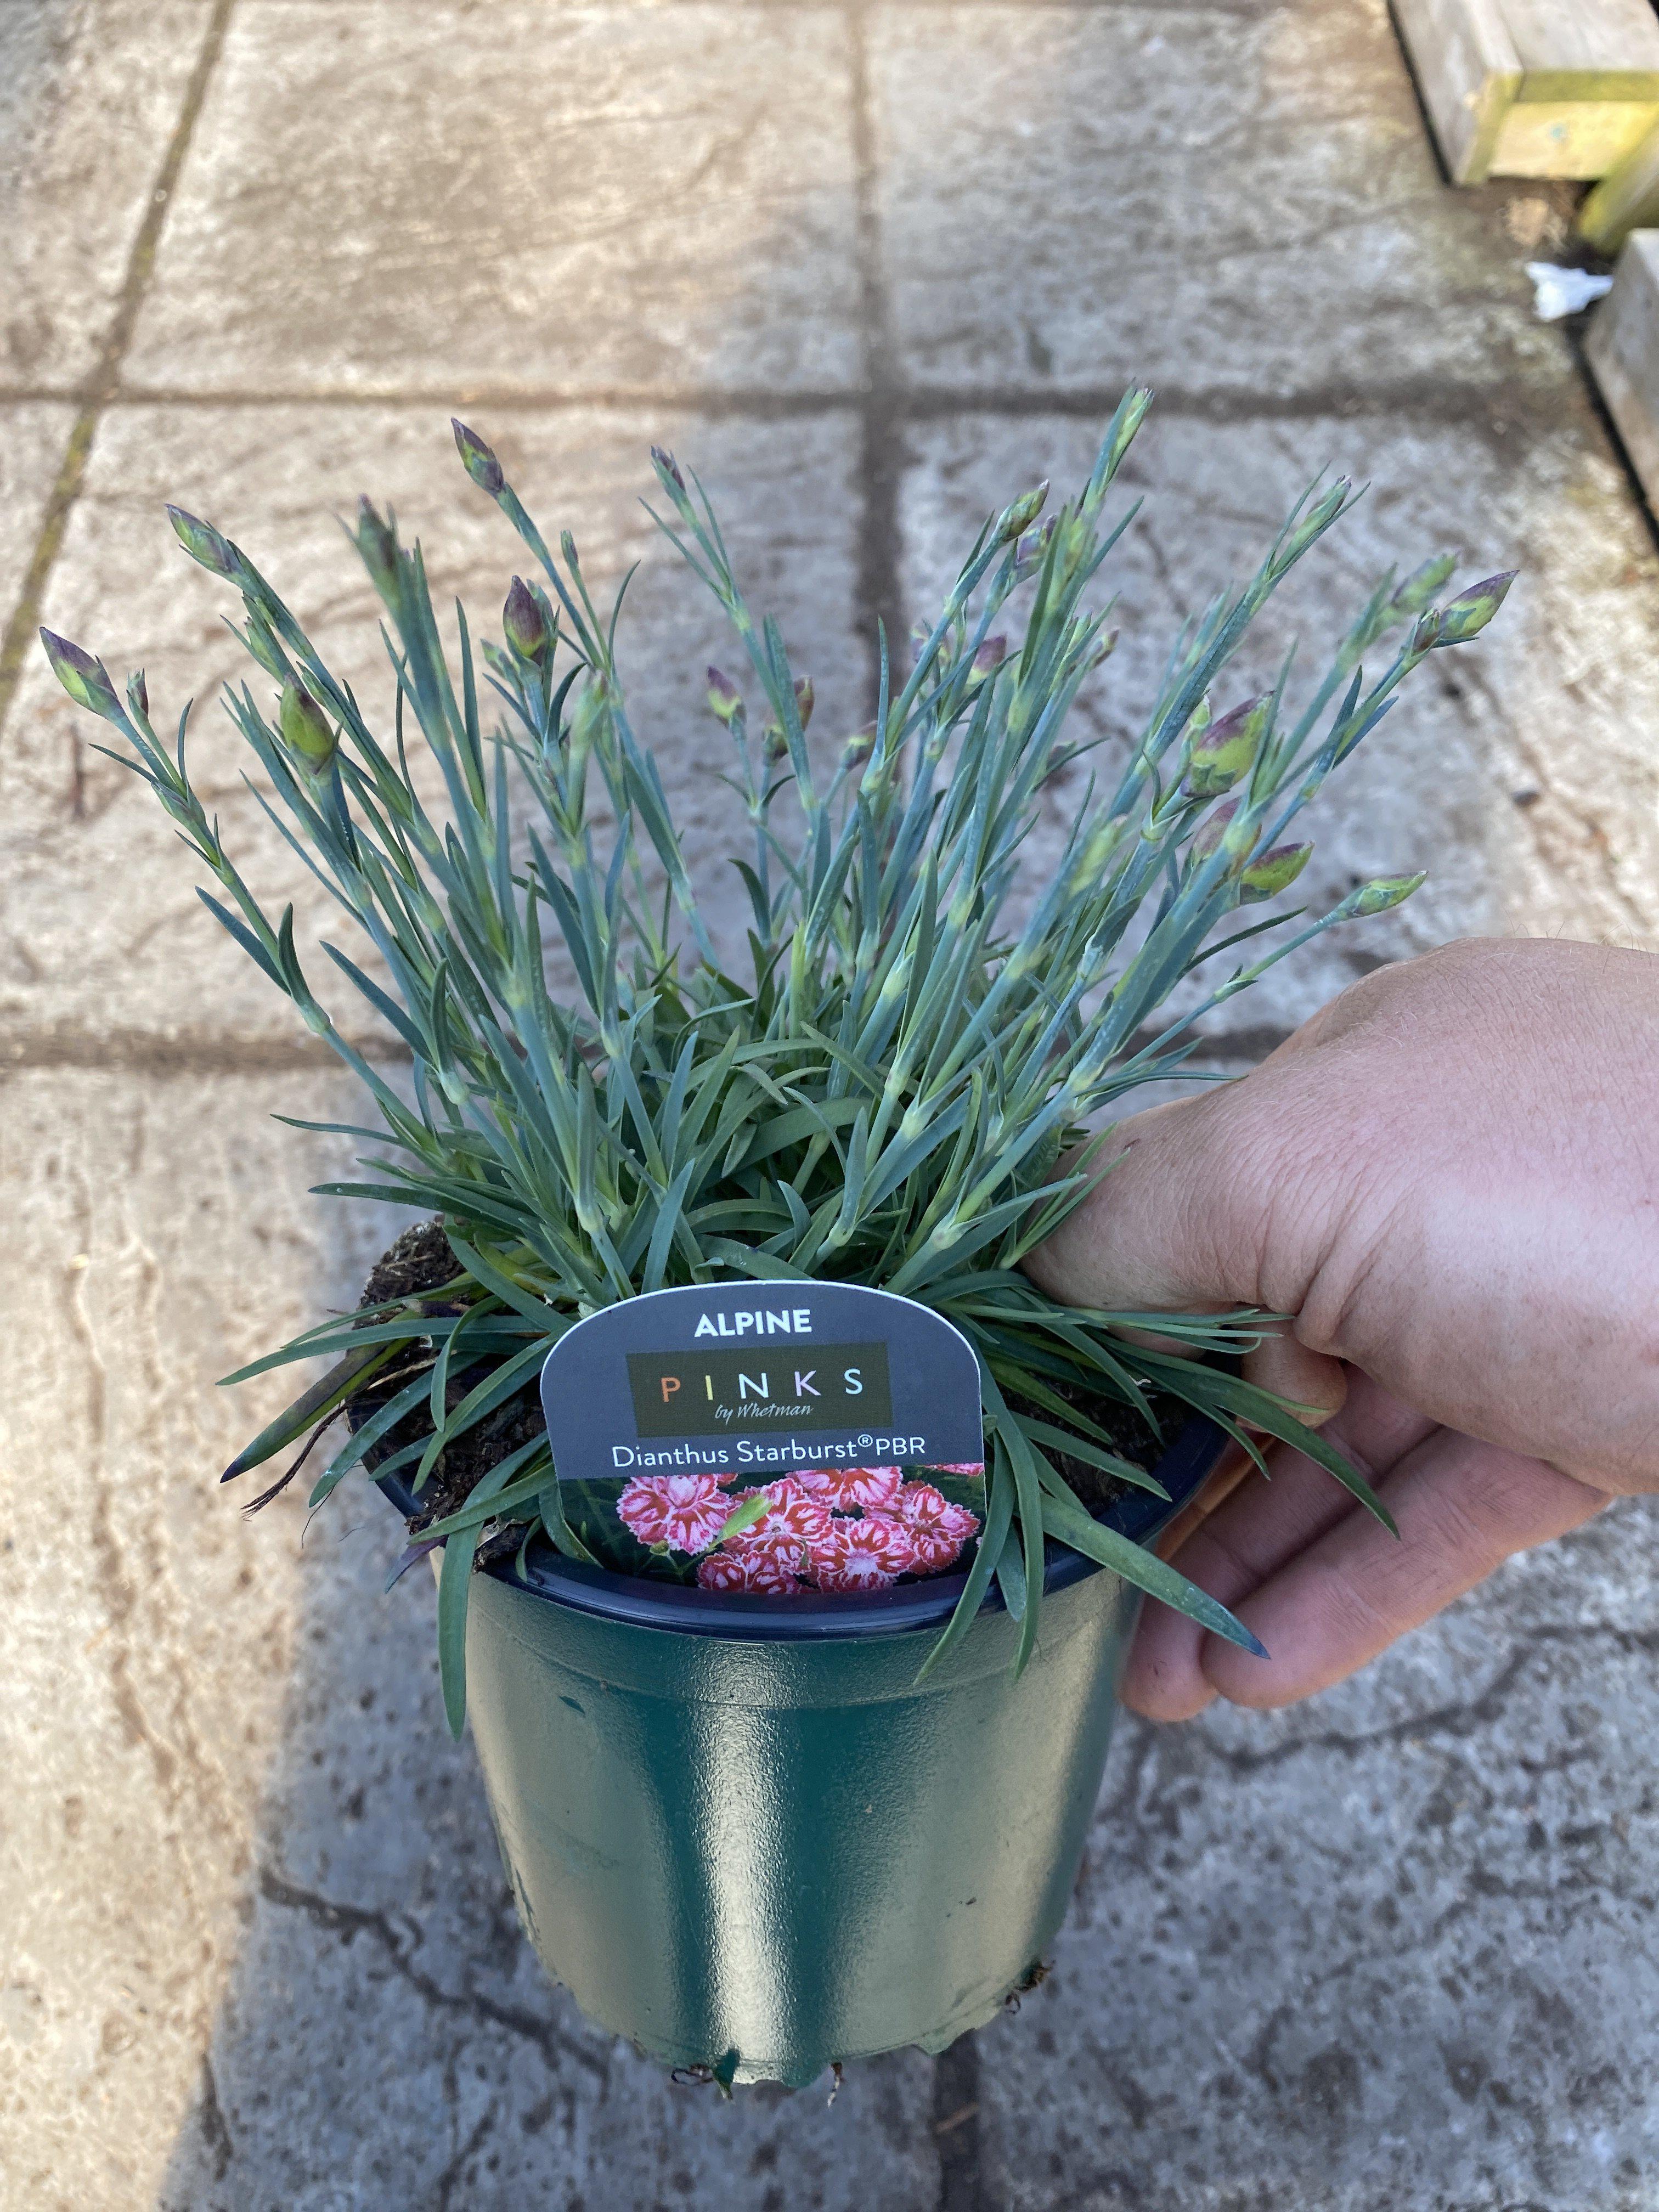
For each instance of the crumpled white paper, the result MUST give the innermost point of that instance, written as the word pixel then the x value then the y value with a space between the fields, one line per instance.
pixel 1558 292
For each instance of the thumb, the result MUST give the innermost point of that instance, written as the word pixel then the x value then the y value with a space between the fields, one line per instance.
pixel 1183 1219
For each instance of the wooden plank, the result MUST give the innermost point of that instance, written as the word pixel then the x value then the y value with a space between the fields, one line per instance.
pixel 1579 138
pixel 1623 352
pixel 1534 88
pixel 1584 37
pixel 1627 199
pixel 1467 72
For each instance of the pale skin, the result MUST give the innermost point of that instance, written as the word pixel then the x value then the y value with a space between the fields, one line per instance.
pixel 1449 1180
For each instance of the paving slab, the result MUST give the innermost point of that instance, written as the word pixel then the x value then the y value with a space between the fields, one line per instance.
pixel 89 93
pixel 32 437
pixel 379 1916
pixel 1394 1948
pixel 1519 771
pixel 151 1633
pixel 276 478
pixel 580 200
pixel 1234 199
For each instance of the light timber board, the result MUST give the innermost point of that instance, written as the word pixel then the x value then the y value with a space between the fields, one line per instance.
pixel 1623 351
pixel 1534 88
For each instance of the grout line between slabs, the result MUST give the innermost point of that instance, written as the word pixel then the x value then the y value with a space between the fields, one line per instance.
pixel 881 458
pixel 1497 409
pixel 101 385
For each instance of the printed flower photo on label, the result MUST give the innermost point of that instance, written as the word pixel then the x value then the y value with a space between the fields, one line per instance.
pixel 836 1531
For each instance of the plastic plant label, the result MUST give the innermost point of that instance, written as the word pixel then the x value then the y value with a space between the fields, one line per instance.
pixel 768 1438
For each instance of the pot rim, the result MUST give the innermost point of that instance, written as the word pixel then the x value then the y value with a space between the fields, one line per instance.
pixel 745 1616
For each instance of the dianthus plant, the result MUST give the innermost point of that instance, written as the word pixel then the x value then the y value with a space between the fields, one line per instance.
pixel 912 1077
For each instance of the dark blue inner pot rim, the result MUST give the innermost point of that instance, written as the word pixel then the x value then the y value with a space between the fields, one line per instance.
pixel 547 1575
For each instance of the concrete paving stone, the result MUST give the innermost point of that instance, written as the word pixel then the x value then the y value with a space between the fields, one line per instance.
pixel 161 1236
pixel 89 93
pixel 1396 1947
pixel 1519 771
pixel 586 202
pixel 1232 200
pixel 77 965
pixel 32 437
pixel 388 2036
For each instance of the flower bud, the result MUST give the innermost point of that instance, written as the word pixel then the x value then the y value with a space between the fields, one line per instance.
pixel 83 675
pixel 1014 520
pixel 376 547
pixel 725 699
pixel 1207 838
pixel 261 642
pixel 803 699
pixel 1468 615
pixel 1379 895
pixel 1318 518
pixel 1225 753
pixel 667 467
pixel 1420 587
pixel 987 659
pixel 588 715
pixel 1030 549
pixel 1274 871
pixel 774 746
pixel 138 695
pixel 859 746
pixel 203 542
pixel 305 731
pixel 477 459
pixel 523 623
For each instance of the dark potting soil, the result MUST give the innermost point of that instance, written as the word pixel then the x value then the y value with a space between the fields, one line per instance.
pixel 420 1261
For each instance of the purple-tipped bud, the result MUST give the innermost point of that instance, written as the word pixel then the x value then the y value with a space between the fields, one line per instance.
pixel 1029 550
pixel 859 746
pixel 805 700
pixel 987 659
pixel 305 731
pixel 83 675
pixel 774 746
pixel 138 695
pixel 1210 832
pixel 667 467
pixel 568 548
pixel 1378 895
pixel 1420 587
pixel 524 625
pixel 1468 615
pixel 1274 871
pixel 725 699
pixel 477 459
pixel 1018 518
pixel 203 542
pixel 1221 755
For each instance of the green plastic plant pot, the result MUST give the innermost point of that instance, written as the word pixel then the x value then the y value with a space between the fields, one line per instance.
pixel 745 1836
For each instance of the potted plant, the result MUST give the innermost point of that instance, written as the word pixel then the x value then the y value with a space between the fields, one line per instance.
pixel 793 1776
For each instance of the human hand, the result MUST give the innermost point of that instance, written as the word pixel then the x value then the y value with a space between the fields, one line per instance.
pixel 1448 1179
